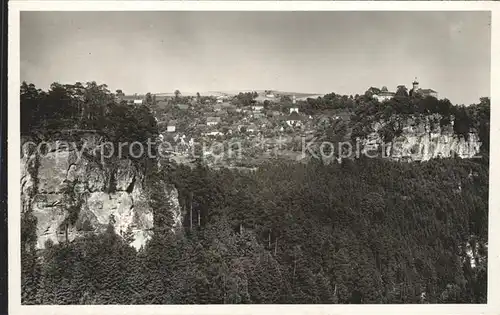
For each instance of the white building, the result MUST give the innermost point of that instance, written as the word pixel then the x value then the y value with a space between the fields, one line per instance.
pixel 213 133
pixel 212 121
pixel 138 101
pixel 384 95
pixel 294 109
pixel 221 98
pixel 171 126
pixel 257 108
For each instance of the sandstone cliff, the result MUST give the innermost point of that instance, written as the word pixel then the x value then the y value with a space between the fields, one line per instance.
pixel 72 194
pixel 421 140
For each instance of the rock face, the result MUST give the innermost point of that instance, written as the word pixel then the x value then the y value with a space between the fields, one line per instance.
pixel 72 194
pixel 422 141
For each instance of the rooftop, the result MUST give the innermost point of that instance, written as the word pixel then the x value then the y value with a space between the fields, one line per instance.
pixel 182 106
pixel 162 103
pixel 427 91
pixel 213 119
pixel 227 105
pixel 294 116
pixel 386 93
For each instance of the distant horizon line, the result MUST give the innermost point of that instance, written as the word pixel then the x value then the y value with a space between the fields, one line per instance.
pixel 234 92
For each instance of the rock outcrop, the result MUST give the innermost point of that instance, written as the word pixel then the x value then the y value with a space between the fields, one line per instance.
pixel 423 140
pixel 72 194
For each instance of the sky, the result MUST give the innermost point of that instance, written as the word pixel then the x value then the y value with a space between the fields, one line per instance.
pixel 310 52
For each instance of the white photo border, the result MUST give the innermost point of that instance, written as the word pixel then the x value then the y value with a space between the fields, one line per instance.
pixel 14 191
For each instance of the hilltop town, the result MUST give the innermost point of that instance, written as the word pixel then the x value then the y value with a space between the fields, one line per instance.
pixel 264 124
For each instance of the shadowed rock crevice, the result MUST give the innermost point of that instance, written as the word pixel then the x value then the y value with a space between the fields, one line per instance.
pixel 130 187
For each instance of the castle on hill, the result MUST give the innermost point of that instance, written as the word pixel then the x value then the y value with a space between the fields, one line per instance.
pixel 384 94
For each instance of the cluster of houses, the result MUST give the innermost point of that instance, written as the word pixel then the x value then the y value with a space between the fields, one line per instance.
pixel 223 117
pixel 220 119
pixel 216 117
pixel 253 120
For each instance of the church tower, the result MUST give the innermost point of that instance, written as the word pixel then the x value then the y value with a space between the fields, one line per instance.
pixel 415 85
pixel 415 88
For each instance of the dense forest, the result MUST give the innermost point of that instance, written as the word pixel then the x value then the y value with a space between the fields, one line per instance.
pixel 363 231
pixel 65 111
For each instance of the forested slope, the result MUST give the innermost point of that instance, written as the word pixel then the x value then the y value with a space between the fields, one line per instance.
pixel 368 231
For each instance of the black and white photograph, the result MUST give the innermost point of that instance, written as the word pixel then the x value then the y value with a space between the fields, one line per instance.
pixel 223 157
